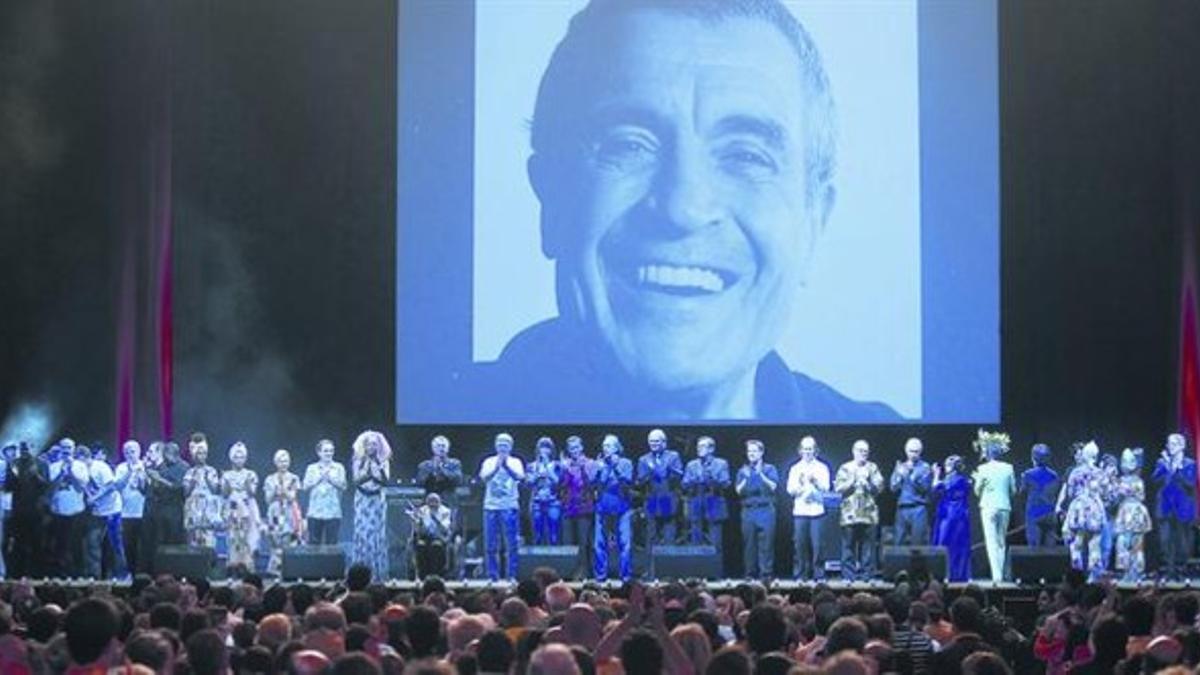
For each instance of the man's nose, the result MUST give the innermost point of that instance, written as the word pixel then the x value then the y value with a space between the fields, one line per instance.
pixel 685 195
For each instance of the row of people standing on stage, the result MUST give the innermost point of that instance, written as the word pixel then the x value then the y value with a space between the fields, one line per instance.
pixel 1098 509
pixel 107 521
pixel 1102 504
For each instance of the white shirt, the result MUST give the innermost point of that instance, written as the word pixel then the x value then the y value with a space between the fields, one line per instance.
pixel 102 478
pixel 133 492
pixel 807 482
pixel 67 497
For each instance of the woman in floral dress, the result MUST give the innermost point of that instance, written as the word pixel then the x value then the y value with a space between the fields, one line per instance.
pixel 239 486
pixel 202 505
pixel 952 527
pixel 285 523
pixel 1082 501
pixel 1133 518
pixel 370 471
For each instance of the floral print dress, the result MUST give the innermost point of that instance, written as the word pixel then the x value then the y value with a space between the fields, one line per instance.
pixel 202 506
pixel 241 515
pixel 285 521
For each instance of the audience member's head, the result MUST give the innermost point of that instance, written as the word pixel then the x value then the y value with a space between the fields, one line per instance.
pixel 766 629
pixel 495 653
pixel 91 626
pixel 581 626
pixel 985 663
pixel 729 661
pixel 207 653
pixel 966 615
pixel 423 627
pixel 553 659
pixel 641 653
pixel 846 634
pixel 514 613
pixel 358 577
pixel 151 649
pixel 559 598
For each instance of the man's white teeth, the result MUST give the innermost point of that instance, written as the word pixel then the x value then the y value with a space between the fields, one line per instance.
pixel 681 277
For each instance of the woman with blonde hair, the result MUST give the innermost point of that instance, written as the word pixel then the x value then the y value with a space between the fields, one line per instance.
pixel 239 485
pixel 285 522
pixel 371 472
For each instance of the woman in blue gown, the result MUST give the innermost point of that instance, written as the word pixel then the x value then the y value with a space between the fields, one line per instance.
pixel 952 528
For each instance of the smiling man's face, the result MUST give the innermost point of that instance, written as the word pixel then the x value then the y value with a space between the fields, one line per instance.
pixel 683 224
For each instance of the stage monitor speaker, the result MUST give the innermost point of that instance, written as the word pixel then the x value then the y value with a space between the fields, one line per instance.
pixel 1033 564
pixel 561 559
pixel 919 562
pixel 184 562
pixel 687 562
pixel 314 562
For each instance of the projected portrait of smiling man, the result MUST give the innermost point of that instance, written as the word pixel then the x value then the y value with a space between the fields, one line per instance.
pixel 683 156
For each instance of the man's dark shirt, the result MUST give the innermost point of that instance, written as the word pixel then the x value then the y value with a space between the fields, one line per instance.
pixel 949 660
pixel 169 496
pixel 547 372
pixel 1041 487
pixel 443 479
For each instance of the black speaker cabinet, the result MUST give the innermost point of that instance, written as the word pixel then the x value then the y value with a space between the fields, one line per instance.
pixel 919 562
pixel 685 562
pixel 184 562
pixel 1033 564
pixel 314 562
pixel 561 559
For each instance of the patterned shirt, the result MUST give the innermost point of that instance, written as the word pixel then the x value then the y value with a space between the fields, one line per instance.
pixel 501 491
pixel 576 487
pixel 543 479
pixel 859 484
pixel 325 483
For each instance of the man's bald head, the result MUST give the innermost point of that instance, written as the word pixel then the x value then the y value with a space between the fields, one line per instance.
pixel 553 659
pixel 309 662
pixel 559 598
pixel 581 626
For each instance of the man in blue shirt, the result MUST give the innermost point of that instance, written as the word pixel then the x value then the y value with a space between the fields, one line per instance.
pixel 756 485
pixel 658 474
pixel 1175 508
pixel 705 480
pixel 1040 485
pixel 612 479
pixel 912 480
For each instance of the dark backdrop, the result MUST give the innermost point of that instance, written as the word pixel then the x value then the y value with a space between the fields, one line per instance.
pixel 282 122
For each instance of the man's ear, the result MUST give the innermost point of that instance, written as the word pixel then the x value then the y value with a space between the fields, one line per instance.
pixel 538 168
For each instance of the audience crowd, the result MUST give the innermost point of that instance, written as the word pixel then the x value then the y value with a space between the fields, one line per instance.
pixel 544 627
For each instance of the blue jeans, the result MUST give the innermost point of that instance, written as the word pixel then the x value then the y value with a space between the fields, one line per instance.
pixel 101 529
pixel 547 522
pixel 497 523
pixel 621 526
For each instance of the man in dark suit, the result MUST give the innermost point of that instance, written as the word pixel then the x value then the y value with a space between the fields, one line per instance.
pixel 1175 508
pixel 658 474
pixel 705 480
pixel 1040 485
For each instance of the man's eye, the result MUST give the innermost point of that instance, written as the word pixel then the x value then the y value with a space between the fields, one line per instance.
pixel 749 161
pixel 625 152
